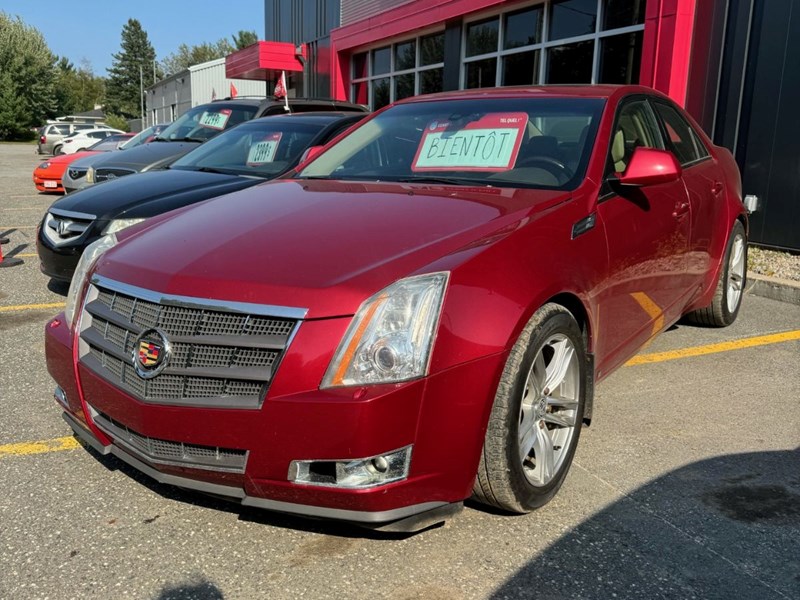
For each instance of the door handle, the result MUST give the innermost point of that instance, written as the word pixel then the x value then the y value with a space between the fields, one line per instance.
pixel 717 188
pixel 681 210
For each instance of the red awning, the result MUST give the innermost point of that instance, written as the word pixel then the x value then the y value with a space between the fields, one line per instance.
pixel 264 60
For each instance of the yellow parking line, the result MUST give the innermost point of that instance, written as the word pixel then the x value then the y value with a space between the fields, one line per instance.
pixel 31 306
pixel 761 340
pixel 40 447
pixel 26 255
pixel 9 227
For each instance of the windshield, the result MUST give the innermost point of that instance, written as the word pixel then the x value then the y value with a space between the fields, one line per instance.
pixel 512 142
pixel 264 148
pixel 143 136
pixel 204 122
pixel 110 143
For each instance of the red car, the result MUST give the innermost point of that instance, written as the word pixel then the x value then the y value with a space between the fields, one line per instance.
pixel 418 315
pixel 47 177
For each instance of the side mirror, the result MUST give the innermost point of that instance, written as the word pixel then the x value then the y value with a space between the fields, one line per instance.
pixel 649 166
pixel 310 153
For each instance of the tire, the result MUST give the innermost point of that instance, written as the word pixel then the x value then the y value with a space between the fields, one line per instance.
pixel 56 150
pixel 724 307
pixel 515 474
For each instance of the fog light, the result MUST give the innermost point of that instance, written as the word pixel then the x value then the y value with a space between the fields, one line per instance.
pixel 353 474
pixel 61 397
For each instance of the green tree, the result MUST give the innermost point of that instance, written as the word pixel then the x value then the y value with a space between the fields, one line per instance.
pixel 77 90
pixel 186 56
pixel 132 67
pixel 243 39
pixel 27 94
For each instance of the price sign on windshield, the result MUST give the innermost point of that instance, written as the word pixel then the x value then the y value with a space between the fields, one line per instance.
pixel 490 143
pixel 215 119
pixel 264 151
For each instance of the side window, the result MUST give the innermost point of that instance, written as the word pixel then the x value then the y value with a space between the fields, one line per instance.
pixel 61 129
pixel 682 140
pixel 635 127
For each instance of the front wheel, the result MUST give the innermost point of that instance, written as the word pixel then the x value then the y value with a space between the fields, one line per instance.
pixel 536 418
pixel 724 308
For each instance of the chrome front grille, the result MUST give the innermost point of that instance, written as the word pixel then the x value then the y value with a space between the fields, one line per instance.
pixel 171 453
pixel 61 226
pixel 220 354
pixel 102 174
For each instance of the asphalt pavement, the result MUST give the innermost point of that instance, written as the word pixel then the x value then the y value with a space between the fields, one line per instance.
pixel 687 484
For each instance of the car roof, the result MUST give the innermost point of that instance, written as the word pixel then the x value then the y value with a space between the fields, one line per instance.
pixel 321 118
pixel 539 91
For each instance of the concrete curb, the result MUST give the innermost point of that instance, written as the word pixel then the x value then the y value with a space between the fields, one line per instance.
pixel 783 290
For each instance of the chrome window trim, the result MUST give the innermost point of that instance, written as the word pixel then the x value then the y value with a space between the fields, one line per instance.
pixel 69 214
pixel 268 310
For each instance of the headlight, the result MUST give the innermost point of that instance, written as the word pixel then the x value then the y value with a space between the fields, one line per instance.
pixel 90 175
pixel 119 225
pixel 391 336
pixel 44 165
pixel 88 258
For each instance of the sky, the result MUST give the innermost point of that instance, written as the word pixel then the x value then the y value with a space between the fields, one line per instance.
pixel 92 29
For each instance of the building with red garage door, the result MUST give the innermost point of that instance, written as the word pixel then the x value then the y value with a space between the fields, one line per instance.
pixel 727 61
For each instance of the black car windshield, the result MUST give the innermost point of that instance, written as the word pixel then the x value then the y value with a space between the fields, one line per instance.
pixel 509 142
pixel 201 123
pixel 109 143
pixel 264 148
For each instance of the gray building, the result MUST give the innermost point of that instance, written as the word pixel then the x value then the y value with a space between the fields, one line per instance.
pixel 171 97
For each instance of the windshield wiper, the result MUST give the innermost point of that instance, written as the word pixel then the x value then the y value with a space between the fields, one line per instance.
pixel 190 139
pixel 214 170
pixel 442 180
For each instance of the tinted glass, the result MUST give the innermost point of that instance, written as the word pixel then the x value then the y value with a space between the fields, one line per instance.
pixel 499 142
pixel 380 93
pixel 481 73
pixel 482 37
pixel 104 145
pixel 403 86
pixel 523 28
pixel 360 91
pixel 521 68
pixel 570 18
pixel 381 61
pixel 431 49
pixel 405 56
pixel 430 81
pixel 265 148
pixel 620 58
pixel 360 65
pixel 623 13
pixel 681 140
pixel 204 122
pixel 635 127
pixel 571 63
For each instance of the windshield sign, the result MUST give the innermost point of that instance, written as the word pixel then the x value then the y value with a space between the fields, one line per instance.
pixel 489 144
pixel 215 120
pixel 264 151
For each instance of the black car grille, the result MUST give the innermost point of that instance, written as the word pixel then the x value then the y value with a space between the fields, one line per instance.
pixel 215 357
pixel 104 174
pixel 171 453
pixel 77 172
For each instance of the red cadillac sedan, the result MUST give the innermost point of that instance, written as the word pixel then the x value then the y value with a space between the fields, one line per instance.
pixel 418 315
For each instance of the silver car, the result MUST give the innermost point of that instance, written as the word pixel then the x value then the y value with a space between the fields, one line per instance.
pixel 53 133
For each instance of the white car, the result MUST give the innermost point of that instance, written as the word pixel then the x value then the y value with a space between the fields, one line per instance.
pixel 81 140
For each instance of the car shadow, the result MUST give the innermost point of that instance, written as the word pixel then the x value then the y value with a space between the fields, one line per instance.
pixel 725 527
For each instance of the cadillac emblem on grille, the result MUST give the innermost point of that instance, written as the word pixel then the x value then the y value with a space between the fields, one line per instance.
pixel 150 353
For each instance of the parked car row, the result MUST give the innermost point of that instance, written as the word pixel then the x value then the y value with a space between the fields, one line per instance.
pixel 415 313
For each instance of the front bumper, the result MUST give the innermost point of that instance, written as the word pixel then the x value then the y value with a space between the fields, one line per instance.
pixel 46 184
pixel 442 417
pixel 58 264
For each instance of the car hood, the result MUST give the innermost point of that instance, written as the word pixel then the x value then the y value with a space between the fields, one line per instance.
pixel 323 246
pixel 145 155
pixel 152 193
pixel 70 158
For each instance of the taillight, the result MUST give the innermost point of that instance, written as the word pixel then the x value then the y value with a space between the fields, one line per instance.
pixel 43 139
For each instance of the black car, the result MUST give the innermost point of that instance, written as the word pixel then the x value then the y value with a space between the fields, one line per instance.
pixel 196 126
pixel 242 157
